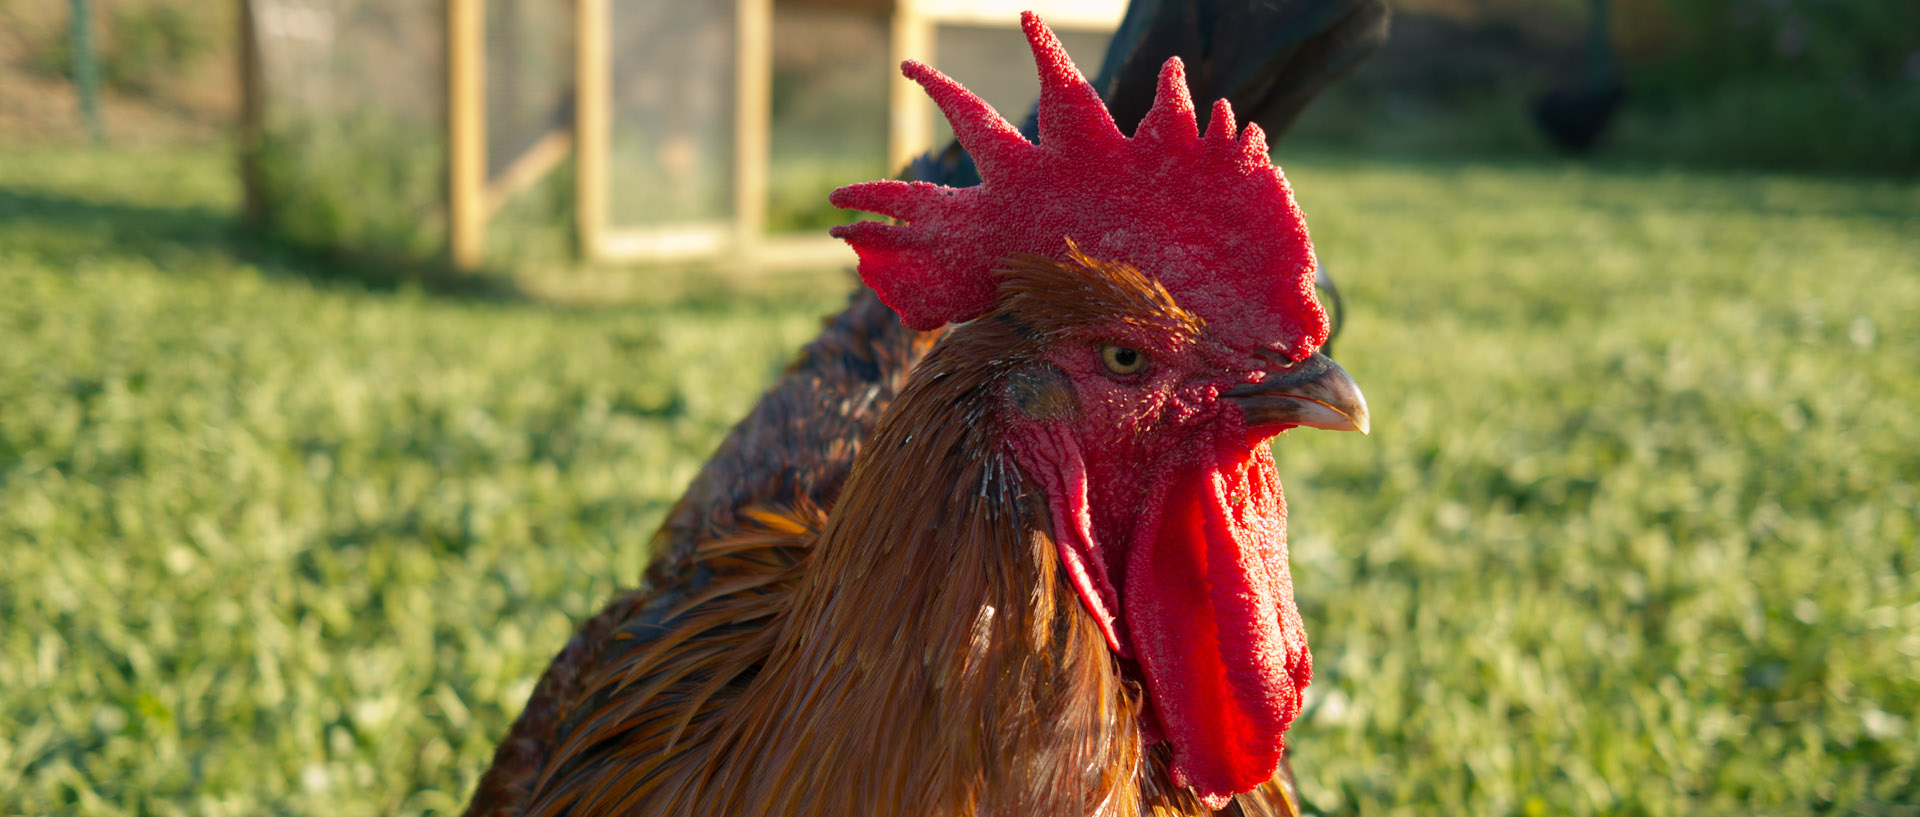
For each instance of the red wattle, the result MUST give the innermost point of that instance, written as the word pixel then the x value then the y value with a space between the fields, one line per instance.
pixel 1209 606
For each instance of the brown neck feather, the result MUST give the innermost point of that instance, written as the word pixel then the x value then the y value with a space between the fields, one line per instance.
pixel 932 660
pixel 919 655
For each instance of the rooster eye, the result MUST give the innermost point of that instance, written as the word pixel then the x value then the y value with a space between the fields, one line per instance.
pixel 1121 360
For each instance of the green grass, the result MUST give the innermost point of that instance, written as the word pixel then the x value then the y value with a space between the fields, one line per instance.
pixel 1634 533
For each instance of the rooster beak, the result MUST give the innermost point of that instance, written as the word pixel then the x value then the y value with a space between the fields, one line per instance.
pixel 1315 392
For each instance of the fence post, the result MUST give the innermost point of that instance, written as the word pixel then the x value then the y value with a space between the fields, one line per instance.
pixel 86 69
pixel 753 52
pixel 910 128
pixel 590 124
pixel 466 133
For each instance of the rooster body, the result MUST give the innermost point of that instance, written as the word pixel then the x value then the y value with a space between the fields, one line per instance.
pixel 1011 704
pixel 749 698
pixel 799 441
pixel 910 615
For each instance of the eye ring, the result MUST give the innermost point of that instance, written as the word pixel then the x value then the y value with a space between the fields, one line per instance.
pixel 1122 360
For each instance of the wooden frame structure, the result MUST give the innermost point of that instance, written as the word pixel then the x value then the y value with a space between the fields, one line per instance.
pixel 472 197
pixel 915 27
pixel 593 121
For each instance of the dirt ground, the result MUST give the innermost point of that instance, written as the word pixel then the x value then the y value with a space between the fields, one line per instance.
pixel 38 105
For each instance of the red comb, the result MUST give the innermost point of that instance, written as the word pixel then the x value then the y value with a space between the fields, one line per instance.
pixel 1209 216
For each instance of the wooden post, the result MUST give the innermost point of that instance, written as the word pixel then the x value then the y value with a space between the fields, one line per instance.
pixel 591 124
pixel 753 101
pixel 252 135
pixel 466 132
pixel 910 129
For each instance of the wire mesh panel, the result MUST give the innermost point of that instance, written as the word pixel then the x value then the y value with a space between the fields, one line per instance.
pixel 829 119
pixel 672 108
pixel 994 62
pixel 529 77
pixel 353 144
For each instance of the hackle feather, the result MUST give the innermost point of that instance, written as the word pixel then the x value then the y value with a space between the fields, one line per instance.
pixel 923 627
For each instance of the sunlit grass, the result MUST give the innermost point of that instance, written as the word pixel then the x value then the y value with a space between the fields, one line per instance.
pixel 1634 532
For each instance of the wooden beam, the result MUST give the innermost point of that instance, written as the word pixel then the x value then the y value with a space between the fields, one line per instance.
pixel 1083 15
pixel 876 8
pixel 591 125
pixel 528 168
pixel 753 108
pixel 678 242
pixel 910 126
pixel 802 251
pixel 466 132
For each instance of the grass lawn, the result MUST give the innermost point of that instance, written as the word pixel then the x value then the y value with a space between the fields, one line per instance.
pixel 1634 534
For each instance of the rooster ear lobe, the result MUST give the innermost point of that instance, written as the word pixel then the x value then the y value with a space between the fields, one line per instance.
pixel 1042 393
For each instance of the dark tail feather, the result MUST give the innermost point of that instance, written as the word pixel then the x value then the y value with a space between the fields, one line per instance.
pixel 1269 58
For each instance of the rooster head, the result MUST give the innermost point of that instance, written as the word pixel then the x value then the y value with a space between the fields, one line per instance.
pixel 1155 297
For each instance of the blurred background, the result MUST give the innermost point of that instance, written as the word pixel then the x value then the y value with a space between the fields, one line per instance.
pixel 354 349
pixel 349 113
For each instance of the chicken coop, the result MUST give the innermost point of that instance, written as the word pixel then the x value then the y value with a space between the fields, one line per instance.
pixel 634 130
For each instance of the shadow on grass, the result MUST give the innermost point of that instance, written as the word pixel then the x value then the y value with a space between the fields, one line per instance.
pixel 119 223
pixel 61 231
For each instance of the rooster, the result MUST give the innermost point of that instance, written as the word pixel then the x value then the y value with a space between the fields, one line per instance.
pixel 1097 420
pixel 798 442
